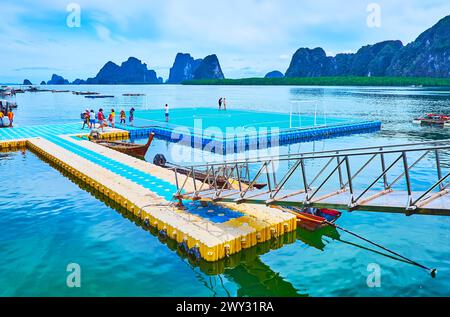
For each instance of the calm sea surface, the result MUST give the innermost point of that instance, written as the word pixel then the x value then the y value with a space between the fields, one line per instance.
pixel 47 221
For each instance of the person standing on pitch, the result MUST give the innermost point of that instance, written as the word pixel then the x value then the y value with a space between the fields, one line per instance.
pixel 166 112
pixel 131 117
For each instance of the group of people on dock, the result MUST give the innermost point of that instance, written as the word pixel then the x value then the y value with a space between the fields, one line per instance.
pixel 93 120
pixel 90 118
pixel 222 102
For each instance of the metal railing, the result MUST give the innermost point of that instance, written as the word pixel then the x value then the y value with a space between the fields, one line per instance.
pixel 335 173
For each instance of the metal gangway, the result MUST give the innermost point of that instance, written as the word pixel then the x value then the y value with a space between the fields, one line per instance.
pixel 401 178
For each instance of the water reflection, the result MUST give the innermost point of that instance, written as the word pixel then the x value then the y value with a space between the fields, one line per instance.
pixel 249 274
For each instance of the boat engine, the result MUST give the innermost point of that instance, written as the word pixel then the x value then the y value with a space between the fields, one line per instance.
pixel 94 134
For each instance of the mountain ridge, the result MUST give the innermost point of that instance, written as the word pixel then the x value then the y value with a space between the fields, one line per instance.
pixel 427 56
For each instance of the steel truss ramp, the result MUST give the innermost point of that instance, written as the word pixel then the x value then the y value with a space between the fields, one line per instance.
pixel 407 178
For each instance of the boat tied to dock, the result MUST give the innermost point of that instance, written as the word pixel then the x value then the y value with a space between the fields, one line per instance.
pixel 136 150
pixel 311 218
pixel 220 180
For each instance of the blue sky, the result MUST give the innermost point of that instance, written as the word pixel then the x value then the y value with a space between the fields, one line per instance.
pixel 250 37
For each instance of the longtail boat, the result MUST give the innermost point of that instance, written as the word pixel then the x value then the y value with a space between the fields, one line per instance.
pixel 311 218
pixel 136 150
pixel 161 161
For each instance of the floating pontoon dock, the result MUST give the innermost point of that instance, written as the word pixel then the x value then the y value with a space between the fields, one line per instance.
pixel 145 190
pixel 211 231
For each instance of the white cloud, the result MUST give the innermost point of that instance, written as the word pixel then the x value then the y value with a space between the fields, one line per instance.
pixel 103 33
pixel 249 36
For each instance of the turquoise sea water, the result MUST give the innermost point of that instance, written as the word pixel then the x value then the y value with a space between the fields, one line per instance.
pixel 47 221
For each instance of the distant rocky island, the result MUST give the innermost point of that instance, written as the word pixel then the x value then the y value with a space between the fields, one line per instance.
pixel 57 80
pixel 427 56
pixel 185 67
pixel 425 61
pixel 274 74
pixel 133 71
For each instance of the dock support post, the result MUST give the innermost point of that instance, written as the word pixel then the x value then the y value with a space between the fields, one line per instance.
pixel 383 169
pixel 350 183
pixel 408 181
pixel 438 167
pixel 341 183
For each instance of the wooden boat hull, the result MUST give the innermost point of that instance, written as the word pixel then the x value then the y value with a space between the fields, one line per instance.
pixel 305 219
pixel 314 222
pixel 220 181
pixel 136 150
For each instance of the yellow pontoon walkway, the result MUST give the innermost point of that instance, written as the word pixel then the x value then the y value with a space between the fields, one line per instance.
pixel 212 232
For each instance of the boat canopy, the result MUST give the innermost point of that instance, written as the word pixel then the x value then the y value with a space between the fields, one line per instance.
pixel 6 105
pixel 5 102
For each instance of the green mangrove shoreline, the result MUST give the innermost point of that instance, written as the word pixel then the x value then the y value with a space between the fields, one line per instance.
pixel 328 81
